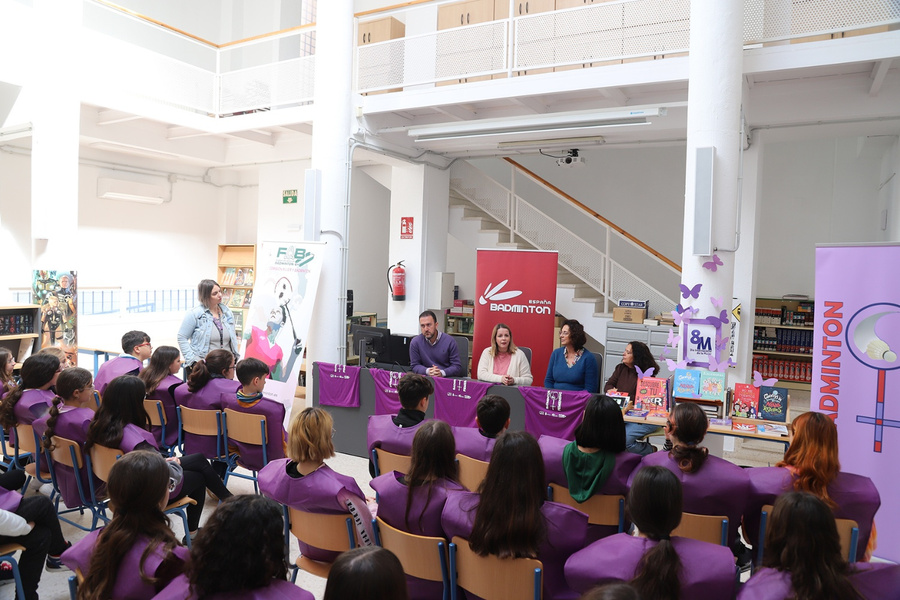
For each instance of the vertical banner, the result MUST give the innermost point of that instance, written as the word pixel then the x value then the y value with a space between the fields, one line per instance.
pixel 856 381
pixel 516 288
pixel 56 293
pixel 287 276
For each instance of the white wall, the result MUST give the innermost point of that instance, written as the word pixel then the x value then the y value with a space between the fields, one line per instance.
pixel 370 210
pixel 278 221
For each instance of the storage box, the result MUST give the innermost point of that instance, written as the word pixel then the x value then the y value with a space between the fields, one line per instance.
pixel 629 315
pixel 631 303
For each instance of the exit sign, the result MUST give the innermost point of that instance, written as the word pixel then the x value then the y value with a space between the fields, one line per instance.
pixel 289 197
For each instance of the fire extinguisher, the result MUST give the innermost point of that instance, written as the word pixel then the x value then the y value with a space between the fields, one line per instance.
pixel 396 276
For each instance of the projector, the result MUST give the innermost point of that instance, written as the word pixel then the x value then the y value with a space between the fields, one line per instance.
pixel 570 161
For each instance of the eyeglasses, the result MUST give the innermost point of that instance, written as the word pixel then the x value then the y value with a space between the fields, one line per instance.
pixel 145 344
pixel 231 368
pixel 669 425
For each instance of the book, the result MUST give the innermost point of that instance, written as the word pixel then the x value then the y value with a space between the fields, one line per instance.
pixel 652 396
pixel 228 277
pixel 620 398
pixel 721 422
pixel 248 277
pixel 247 299
pixel 687 384
pixel 745 401
pixel 226 295
pixel 773 403
pixel 637 413
pixel 712 385
pixel 239 278
pixel 743 427
pixel 772 429
pixel 237 299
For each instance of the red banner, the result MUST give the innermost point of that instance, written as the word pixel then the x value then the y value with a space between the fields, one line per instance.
pixel 517 288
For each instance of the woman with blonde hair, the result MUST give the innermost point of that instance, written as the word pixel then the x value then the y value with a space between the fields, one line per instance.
pixel 502 362
pixel 303 481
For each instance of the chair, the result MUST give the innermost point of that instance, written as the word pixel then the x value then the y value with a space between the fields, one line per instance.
pixel 421 556
pixel 471 471
pixel 74 581
pixel 68 453
pixel 328 532
pixel 27 441
pixel 848 532
pixel 527 352
pixel 385 462
pixel 600 509
pixel 102 460
pixel 246 428
pixel 203 423
pixel 706 528
pixel 8 460
pixel 491 577
pixel 599 357
pixel 7 552
pixel 462 345
pixel 157 414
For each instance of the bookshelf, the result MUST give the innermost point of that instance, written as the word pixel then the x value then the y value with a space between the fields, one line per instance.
pixel 19 330
pixel 236 275
pixel 783 340
pixel 463 325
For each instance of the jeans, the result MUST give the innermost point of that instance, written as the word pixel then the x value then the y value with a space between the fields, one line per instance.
pixel 633 431
pixel 199 476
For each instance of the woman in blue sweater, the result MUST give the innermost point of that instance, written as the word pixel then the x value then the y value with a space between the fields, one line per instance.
pixel 571 366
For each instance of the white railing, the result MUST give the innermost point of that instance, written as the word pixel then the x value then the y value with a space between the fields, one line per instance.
pixel 596 267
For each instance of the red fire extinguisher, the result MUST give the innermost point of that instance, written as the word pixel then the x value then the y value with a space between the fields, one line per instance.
pixel 396 276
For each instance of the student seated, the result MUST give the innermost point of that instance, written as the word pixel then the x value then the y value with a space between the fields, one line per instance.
pixel 136 554
pixel 712 485
pixel 659 566
pixel 252 373
pixel 811 465
pixel 395 433
pixel 413 502
pixel 369 573
pixel 228 564
pixel 7 366
pixel 491 419
pixel 70 417
pixel 33 398
pixel 303 480
pixel 160 378
pixel 510 517
pixel 596 462
pixel 135 350
pixel 802 558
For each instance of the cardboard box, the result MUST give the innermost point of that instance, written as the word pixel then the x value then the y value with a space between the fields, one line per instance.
pixel 629 315
pixel 630 303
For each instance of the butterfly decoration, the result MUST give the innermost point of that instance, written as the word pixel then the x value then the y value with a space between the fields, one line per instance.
pixel 721 342
pixel 717 302
pixel 715 365
pixel 673 339
pixel 681 364
pixel 642 374
pixel 665 353
pixel 693 292
pixel 714 264
pixel 758 380
pixel 680 318
pixel 722 318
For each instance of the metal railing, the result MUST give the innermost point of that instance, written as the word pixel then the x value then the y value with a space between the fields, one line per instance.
pixel 595 266
pixel 105 301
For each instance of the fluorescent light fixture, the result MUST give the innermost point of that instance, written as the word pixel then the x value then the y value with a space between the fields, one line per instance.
pixel 569 142
pixel 131 191
pixel 126 149
pixel 14 132
pixel 536 125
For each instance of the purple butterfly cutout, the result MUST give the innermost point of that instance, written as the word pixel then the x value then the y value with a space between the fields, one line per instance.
pixel 715 365
pixel 642 374
pixel 681 364
pixel 721 343
pixel 680 318
pixel 758 380
pixel 665 353
pixel 722 318
pixel 717 302
pixel 714 264
pixel 693 292
pixel 673 339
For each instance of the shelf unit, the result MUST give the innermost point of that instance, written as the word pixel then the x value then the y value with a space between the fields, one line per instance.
pixel 237 265
pixel 19 326
pixel 463 325
pixel 782 340
pixel 368 319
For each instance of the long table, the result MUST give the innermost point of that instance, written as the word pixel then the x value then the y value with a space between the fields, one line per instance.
pixel 719 430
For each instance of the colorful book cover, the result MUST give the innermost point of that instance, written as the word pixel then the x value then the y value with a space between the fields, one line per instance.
pixel 248 298
pixel 637 413
pixel 237 299
pixel 228 278
pixel 712 385
pixel 239 278
pixel 687 383
pixel 743 426
pixel 226 295
pixel 620 398
pixel 745 401
pixel 773 403
pixel 652 396
pixel 721 422
pixel 248 277
pixel 772 429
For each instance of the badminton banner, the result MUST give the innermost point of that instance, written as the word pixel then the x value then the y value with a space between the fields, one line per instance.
pixel 856 369
pixel 516 288
pixel 277 323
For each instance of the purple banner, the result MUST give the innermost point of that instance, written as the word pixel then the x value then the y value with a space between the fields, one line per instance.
pixel 553 412
pixel 455 400
pixel 856 381
pixel 338 385
pixel 387 402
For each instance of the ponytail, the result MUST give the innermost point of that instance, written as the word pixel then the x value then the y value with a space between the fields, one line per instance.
pixel 215 363
pixel 689 458
pixel 51 423
pixel 656 576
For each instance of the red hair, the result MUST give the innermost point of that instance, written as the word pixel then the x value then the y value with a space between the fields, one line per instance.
pixel 813 455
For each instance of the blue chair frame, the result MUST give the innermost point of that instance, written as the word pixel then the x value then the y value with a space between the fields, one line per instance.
pixel 169 450
pixel 87 498
pixel 36 456
pixel 454 577
pixel 8 554
pixel 233 458
pixel 351 536
pixel 442 558
pixel 221 445
pixel 763 522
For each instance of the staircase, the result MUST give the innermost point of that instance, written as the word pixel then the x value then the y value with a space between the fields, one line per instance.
pixel 485 214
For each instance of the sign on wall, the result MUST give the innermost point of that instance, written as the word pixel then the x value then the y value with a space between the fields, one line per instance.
pixel 56 293
pixel 406 228
pixel 289 197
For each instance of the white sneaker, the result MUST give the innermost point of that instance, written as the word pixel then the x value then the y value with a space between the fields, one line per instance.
pixel 46 489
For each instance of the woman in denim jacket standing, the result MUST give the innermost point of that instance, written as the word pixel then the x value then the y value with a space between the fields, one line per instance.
pixel 207 327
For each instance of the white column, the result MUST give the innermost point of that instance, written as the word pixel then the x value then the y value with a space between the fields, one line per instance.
pixel 331 122
pixel 56 113
pixel 714 104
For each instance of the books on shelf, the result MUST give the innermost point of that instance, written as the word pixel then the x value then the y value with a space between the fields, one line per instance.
pixel 248 277
pixel 652 396
pixel 712 385
pixel 237 299
pixel 687 384
pixel 247 299
pixel 620 398
pixel 745 401
pixel 743 426
pixel 226 295
pixel 637 413
pixel 773 403
pixel 229 276
pixel 774 429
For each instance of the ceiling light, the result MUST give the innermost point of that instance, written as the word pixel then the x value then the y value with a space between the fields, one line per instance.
pixel 132 191
pixel 567 142
pixel 14 132
pixel 125 149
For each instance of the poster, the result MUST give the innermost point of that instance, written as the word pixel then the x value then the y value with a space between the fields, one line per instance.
pixel 277 323
pixel 856 369
pixel 56 293
pixel 517 288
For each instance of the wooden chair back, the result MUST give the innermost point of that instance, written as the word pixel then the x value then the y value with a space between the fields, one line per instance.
pixel 328 532
pixel 600 509
pixel 421 556
pixel 471 471
pixel 245 427
pixel 848 532
pixel 154 408
pixel 706 528
pixel 494 578
pixel 103 459
pixel 200 422
pixel 25 438
pixel 385 462
pixel 62 454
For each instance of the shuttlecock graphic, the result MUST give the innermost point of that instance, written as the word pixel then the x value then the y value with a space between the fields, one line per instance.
pixel 879 350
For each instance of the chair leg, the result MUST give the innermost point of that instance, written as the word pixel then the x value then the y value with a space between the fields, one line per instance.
pixel 17 576
pixel 73 587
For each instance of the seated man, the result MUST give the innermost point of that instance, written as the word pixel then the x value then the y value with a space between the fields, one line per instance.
pixel 434 353
pixel 136 349
pixel 492 419
pixel 395 433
